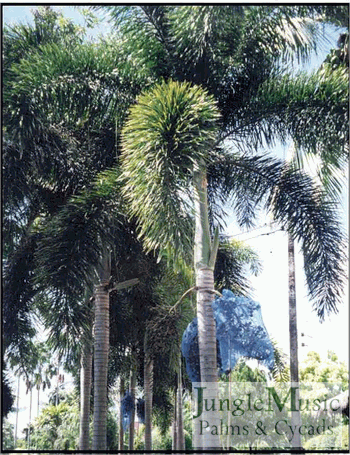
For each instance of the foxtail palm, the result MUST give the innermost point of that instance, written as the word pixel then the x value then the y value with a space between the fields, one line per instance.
pixel 163 120
pixel 169 147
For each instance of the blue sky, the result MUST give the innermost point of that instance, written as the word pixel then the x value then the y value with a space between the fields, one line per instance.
pixel 22 14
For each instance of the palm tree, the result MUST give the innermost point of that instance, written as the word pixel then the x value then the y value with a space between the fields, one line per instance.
pixel 213 60
pixel 162 158
pixel 63 134
pixel 329 176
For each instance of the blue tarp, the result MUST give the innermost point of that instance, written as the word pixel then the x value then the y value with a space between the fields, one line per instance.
pixel 240 332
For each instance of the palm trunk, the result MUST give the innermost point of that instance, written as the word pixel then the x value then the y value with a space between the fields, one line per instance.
pixel 101 350
pixel 85 392
pixel 205 282
pixel 58 383
pixel 38 404
pixel 204 256
pixel 30 412
pixel 148 383
pixel 132 392
pixel 293 339
pixel 121 429
pixel 180 425
pixel 175 435
pixel 17 405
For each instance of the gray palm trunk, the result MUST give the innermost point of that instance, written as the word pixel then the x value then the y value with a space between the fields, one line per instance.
pixel 38 402
pixel 293 338
pixel 132 393
pixel 148 383
pixel 179 404
pixel 175 437
pixel 204 268
pixel 121 429
pixel 204 259
pixel 101 350
pixel 85 392
pixel 30 412
pixel 17 408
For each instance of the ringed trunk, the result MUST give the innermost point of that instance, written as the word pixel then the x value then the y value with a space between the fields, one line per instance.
pixel 175 426
pixel 132 392
pixel 204 257
pixel 85 392
pixel 180 430
pixel 121 429
pixel 293 338
pixel 101 349
pixel 148 382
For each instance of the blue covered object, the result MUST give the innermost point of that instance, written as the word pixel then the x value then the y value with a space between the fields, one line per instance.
pixel 240 332
pixel 127 408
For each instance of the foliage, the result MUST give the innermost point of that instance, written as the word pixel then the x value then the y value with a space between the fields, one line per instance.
pixel 177 124
pixel 280 372
pixel 232 261
pixel 338 439
pixel 8 439
pixel 7 396
pixel 316 369
pixel 48 26
pixel 57 427
pixel 300 206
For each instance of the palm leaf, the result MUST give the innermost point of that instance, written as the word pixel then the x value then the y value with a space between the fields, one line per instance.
pixel 231 265
pixel 69 251
pixel 168 131
pixel 300 207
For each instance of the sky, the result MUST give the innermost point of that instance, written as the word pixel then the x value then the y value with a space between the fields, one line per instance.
pixel 271 286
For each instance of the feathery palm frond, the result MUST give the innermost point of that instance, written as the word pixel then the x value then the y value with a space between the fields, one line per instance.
pixel 280 372
pixel 19 291
pixel 72 241
pixel 233 260
pixel 19 40
pixel 311 109
pixel 300 207
pixel 168 131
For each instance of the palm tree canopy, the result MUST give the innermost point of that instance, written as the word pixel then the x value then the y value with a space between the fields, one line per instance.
pixel 249 181
pixel 169 130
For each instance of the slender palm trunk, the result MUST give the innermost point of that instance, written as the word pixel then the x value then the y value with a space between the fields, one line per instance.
pixel 132 392
pixel 17 406
pixel 148 383
pixel 38 403
pixel 101 350
pixel 204 257
pixel 293 338
pixel 121 429
pixel 85 392
pixel 205 282
pixel 180 424
pixel 30 412
pixel 175 426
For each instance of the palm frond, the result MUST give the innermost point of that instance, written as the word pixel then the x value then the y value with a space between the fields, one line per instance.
pixel 72 241
pixel 280 372
pixel 19 291
pixel 234 258
pixel 169 129
pixel 300 207
pixel 313 110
